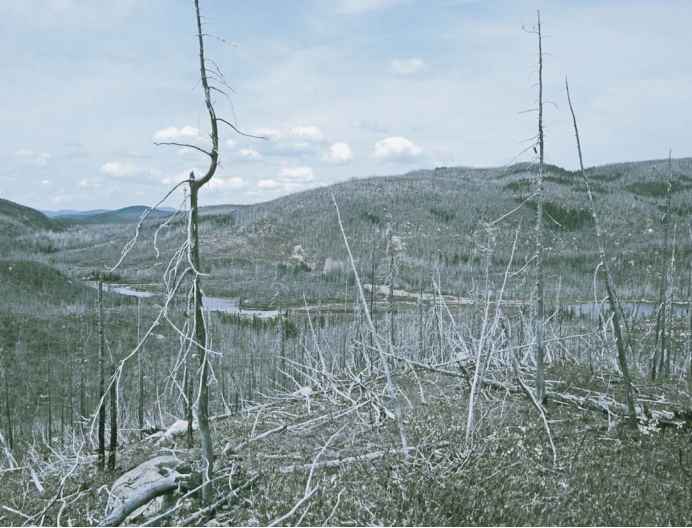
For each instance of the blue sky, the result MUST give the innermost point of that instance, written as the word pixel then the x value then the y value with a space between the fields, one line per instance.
pixel 343 89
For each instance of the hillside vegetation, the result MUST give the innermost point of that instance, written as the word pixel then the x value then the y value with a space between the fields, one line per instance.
pixel 441 215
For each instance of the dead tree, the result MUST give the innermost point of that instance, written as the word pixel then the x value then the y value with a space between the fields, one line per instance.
pixel 8 409
pixel 689 317
pixel 661 334
pixel 113 444
pixel 102 408
pixel 540 303
pixel 613 302
pixel 140 369
pixel 199 325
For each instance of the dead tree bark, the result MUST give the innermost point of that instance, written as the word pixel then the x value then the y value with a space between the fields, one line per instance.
pixel 8 410
pixel 113 446
pixel 140 498
pixel 670 272
pixel 661 338
pixel 200 332
pixel 689 319
pixel 540 304
pixel 613 302
pixel 140 368
pixel 101 394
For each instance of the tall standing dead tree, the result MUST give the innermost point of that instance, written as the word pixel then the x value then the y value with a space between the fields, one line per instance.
pixel 102 408
pixel 540 304
pixel 113 443
pixel 614 304
pixel 661 346
pixel 200 330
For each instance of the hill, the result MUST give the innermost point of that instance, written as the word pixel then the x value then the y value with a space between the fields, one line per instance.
pixel 16 218
pixel 126 215
pixel 446 217
pixel 442 216
pixel 62 213
pixel 23 282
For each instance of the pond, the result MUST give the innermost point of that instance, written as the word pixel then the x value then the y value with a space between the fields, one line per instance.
pixel 632 309
pixel 590 310
pixel 210 304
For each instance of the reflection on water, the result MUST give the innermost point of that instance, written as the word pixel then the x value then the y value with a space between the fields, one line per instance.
pixel 221 304
pixel 590 310
pixel 210 304
pixel 126 290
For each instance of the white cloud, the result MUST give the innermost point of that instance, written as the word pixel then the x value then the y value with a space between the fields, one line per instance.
pixel 272 134
pixel 288 179
pixel 296 174
pixel 180 176
pixel 396 148
pixel 39 159
pixel 408 66
pixel 176 134
pixel 268 184
pixel 291 142
pixel 249 154
pixel 354 7
pixel 230 182
pixel 306 133
pixel 230 143
pixel 119 169
pixel 339 153
pixel 89 183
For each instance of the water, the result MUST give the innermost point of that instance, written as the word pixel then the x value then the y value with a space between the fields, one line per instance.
pixel 590 310
pixel 126 290
pixel 632 310
pixel 210 304
pixel 232 306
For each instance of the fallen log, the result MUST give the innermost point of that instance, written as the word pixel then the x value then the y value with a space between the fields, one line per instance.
pixel 369 457
pixel 132 492
pixel 140 498
pixel 606 405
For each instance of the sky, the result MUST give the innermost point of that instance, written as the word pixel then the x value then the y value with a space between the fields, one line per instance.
pixel 341 89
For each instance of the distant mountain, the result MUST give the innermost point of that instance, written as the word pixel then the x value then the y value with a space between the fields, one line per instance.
pixel 62 213
pixel 126 215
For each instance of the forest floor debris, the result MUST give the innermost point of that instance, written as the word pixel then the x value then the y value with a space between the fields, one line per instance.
pixel 340 462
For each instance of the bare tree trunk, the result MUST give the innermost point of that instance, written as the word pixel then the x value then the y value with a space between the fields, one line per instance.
pixel 140 368
pixel 689 320
pixel 391 252
pixel 8 410
pixel 200 328
pixel 613 302
pixel 659 349
pixel 667 348
pixel 188 401
pixel 101 402
pixel 201 340
pixel 540 305
pixel 50 412
pixel 113 447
